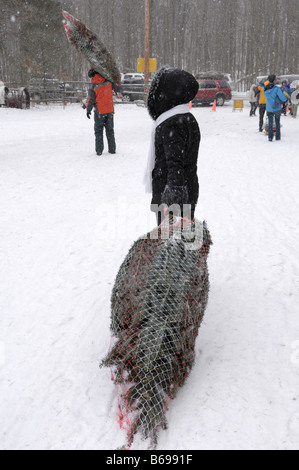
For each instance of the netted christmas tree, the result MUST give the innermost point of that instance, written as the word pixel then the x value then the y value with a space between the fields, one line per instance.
pixel 158 303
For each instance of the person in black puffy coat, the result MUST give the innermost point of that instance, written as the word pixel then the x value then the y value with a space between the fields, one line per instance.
pixel 175 143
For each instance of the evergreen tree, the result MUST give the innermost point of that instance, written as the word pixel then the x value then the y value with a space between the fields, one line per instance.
pixel 41 38
pixel 158 303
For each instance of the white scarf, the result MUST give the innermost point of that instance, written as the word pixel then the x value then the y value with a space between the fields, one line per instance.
pixel 148 179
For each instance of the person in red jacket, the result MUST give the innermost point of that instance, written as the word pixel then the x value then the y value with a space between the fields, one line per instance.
pixel 100 99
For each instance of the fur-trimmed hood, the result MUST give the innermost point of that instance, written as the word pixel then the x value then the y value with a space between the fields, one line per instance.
pixel 169 88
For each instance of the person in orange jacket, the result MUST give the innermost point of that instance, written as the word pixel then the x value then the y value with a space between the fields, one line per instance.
pixel 262 103
pixel 100 98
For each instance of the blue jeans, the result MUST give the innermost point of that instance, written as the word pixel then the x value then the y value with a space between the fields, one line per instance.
pixel 102 121
pixel 271 116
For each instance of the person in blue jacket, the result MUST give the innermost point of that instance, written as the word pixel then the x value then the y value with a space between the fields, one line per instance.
pixel 275 98
pixel 285 88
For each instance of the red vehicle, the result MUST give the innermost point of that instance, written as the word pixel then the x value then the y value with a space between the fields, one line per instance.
pixel 210 90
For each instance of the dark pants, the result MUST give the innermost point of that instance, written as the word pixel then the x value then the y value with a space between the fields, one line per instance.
pixel 253 108
pixel 271 117
pixel 262 114
pixel 101 121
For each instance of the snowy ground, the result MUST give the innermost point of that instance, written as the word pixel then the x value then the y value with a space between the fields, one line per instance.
pixel 60 252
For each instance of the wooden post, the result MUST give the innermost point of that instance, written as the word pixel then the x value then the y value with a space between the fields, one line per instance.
pixel 146 47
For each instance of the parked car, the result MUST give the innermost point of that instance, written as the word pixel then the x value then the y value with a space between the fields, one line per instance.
pixel 210 90
pixel 132 87
pixel 132 92
pixel 214 75
pixel 228 78
pixel 133 78
pixel 49 89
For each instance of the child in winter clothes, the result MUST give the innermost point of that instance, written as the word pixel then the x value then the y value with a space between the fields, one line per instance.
pixel 275 97
pixel 286 89
pixel 171 173
pixel 295 97
pixel 252 100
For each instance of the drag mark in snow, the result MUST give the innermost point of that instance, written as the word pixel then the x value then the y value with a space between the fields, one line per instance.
pixel 295 354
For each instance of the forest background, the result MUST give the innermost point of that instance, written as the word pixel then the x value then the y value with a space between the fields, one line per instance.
pixel 244 38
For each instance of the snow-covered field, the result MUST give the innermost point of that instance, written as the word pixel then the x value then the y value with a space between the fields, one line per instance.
pixel 60 250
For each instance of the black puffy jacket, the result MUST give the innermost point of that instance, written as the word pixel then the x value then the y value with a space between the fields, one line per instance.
pixel 177 139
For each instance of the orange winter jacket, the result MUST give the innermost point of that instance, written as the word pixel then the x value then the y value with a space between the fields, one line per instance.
pixel 263 99
pixel 100 95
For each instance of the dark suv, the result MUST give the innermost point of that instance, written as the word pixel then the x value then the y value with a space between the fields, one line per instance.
pixel 132 87
pixel 210 90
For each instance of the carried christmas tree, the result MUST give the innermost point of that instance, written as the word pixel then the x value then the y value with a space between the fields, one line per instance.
pixel 93 49
pixel 158 303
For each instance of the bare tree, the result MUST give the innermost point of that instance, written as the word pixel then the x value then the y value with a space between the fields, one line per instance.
pixel 241 37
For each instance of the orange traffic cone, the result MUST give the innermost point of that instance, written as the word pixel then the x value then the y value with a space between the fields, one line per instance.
pixel 190 105
pixel 214 106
